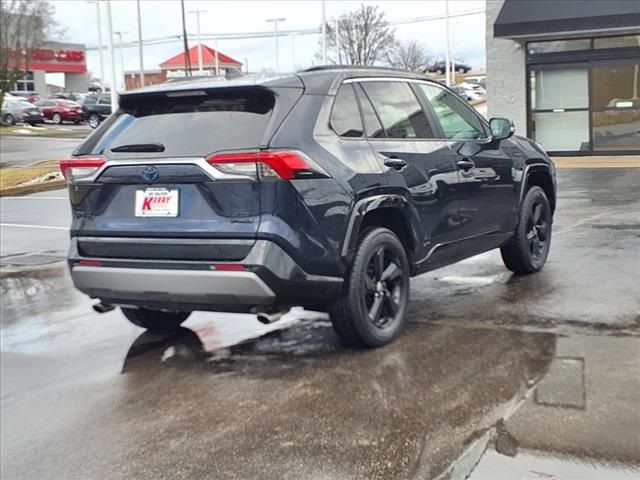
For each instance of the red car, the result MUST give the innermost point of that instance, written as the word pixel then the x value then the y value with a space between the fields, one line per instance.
pixel 60 110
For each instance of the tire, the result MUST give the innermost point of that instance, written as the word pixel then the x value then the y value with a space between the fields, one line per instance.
pixel 94 120
pixel 527 251
pixel 9 119
pixel 462 70
pixel 57 118
pixel 155 320
pixel 76 122
pixel 357 317
pixel 439 71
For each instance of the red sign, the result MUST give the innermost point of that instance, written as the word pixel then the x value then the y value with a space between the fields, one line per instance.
pixel 46 55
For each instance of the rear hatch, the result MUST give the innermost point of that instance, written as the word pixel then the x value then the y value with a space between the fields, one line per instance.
pixel 147 178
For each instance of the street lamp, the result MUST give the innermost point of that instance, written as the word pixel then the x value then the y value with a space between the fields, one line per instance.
pixel 121 55
pixel 275 36
pixel 197 13
pixel 140 46
pixel 112 61
pixel 97 2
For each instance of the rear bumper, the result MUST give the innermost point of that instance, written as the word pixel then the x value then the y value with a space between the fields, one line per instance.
pixel 182 286
pixel 270 277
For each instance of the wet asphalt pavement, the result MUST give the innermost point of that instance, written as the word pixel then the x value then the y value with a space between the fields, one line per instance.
pixel 497 377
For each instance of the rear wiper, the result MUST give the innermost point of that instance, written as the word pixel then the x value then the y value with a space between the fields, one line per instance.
pixel 139 147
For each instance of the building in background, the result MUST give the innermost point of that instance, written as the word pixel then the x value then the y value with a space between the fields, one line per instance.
pixel 54 57
pixel 174 67
pixel 567 73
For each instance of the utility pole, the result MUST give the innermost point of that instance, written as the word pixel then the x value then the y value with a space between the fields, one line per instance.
pixel 112 60
pixel 121 56
pixel 293 52
pixel 140 46
pixel 217 57
pixel 97 2
pixel 324 36
pixel 448 53
pixel 275 36
pixel 197 13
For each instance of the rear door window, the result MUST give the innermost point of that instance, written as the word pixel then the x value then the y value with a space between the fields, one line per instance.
pixel 345 115
pixel 398 109
pixel 372 125
pixel 187 125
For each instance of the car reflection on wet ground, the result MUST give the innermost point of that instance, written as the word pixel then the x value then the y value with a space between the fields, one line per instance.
pixel 498 377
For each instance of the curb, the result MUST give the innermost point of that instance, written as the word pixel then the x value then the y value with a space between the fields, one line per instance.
pixel 35 188
pixel 632 161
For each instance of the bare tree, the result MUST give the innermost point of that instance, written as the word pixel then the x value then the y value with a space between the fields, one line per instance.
pixel 24 26
pixel 408 55
pixel 364 37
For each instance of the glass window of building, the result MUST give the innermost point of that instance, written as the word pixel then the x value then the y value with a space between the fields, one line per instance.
pixel 617 42
pixel 555 46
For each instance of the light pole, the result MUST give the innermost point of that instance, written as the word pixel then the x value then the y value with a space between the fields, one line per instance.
pixel 324 36
pixel 140 46
pixel 121 55
pixel 293 53
pixel 275 36
pixel 448 52
pixel 197 13
pixel 97 2
pixel 112 60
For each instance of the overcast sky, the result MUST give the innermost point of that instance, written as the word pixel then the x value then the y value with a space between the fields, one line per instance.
pixel 162 18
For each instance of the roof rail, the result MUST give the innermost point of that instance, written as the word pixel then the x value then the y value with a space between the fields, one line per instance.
pixel 319 68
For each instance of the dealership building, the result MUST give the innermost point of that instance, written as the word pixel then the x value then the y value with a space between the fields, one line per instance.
pixel 54 57
pixel 567 73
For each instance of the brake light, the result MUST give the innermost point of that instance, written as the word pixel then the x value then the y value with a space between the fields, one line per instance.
pixel 284 165
pixel 89 263
pixel 75 169
pixel 229 267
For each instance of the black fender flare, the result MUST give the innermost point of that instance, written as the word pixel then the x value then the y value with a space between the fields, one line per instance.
pixel 366 205
pixel 528 170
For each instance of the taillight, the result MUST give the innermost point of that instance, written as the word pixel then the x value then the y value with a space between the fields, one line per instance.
pixel 77 169
pixel 276 164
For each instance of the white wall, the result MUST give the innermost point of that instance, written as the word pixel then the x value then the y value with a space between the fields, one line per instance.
pixel 506 82
pixel 76 82
pixel 40 82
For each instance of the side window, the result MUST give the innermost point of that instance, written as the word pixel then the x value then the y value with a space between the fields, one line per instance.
pixel 103 101
pixel 398 108
pixel 372 126
pixel 90 100
pixel 345 116
pixel 456 119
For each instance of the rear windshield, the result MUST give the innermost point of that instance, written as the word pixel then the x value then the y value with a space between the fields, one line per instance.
pixel 193 125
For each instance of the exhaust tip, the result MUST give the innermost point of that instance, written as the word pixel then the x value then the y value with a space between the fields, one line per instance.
pixel 267 318
pixel 103 307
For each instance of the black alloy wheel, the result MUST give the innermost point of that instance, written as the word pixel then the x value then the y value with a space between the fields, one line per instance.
pixel 373 309
pixel 528 250
pixel 382 285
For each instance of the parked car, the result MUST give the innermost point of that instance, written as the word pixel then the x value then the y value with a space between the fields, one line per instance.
pixel 74 97
pixel 469 91
pixel 20 111
pixel 477 80
pixel 29 96
pixel 59 111
pixel 327 189
pixel 440 67
pixel 96 108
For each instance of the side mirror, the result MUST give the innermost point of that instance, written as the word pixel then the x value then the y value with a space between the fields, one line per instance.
pixel 501 128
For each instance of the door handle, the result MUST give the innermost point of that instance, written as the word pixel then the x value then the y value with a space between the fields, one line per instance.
pixel 465 164
pixel 395 162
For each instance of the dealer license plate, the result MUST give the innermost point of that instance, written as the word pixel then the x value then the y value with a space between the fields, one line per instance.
pixel 156 202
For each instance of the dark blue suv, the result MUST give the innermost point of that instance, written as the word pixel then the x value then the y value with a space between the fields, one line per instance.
pixel 327 189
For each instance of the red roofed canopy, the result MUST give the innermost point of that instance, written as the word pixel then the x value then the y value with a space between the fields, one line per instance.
pixel 208 59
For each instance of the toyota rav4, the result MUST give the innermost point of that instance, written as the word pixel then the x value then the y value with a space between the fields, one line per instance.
pixel 327 189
